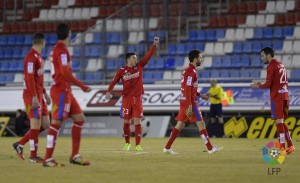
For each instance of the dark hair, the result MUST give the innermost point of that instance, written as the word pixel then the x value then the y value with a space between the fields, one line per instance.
pixel 62 31
pixel 20 110
pixel 193 54
pixel 128 55
pixel 38 38
pixel 268 50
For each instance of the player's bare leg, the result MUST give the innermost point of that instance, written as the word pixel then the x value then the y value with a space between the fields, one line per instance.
pixel 175 131
pixel 204 135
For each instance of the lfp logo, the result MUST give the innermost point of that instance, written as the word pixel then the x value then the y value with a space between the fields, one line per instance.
pixel 273 154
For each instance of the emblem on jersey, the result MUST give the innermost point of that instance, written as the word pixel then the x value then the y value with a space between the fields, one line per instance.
pixel 189 81
pixel 30 67
pixel 64 59
pixel 129 76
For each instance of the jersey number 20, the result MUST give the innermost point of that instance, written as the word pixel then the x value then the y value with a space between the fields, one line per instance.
pixel 283 77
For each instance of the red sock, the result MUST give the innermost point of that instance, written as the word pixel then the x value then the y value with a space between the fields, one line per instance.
pixel 51 140
pixel 138 134
pixel 205 137
pixel 24 139
pixel 34 142
pixel 287 135
pixel 281 134
pixel 76 137
pixel 126 131
pixel 172 138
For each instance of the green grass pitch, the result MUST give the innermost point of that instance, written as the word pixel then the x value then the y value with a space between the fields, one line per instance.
pixel 240 161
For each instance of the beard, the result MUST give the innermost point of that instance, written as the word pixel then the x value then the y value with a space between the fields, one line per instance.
pixel 265 61
pixel 198 64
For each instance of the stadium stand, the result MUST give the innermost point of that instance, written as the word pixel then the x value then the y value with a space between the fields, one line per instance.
pixel 230 32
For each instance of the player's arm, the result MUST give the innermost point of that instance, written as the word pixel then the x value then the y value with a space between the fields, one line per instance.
pixel 149 54
pixel 29 79
pixel 203 96
pixel 219 94
pixel 47 97
pixel 211 95
pixel 66 73
pixel 269 79
pixel 113 83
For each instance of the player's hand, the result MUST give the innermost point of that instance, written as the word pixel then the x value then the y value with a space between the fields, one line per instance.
pixel 204 96
pixel 86 89
pixel 35 102
pixel 156 41
pixel 107 96
pixel 47 98
pixel 189 112
pixel 254 85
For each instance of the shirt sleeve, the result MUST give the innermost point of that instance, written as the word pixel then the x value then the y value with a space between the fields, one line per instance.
pixel 114 81
pixel 269 79
pixel 191 78
pixel 149 54
pixel 66 72
pixel 220 92
pixel 30 72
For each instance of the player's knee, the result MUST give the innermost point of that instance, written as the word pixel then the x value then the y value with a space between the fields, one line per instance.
pixel 137 121
pixel 201 125
pixel 221 120
pixel 212 120
pixel 56 122
pixel 45 122
pixel 78 117
pixel 46 125
pixel 279 121
pixel 180 125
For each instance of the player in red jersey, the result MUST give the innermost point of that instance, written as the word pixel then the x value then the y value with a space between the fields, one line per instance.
pixel 189 111
pixel 64 105
pixel 33 97
pixel 132 79
pixel 277 82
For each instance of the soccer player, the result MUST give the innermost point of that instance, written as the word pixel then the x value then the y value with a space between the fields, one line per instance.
pixel 215 96
pixel 33 94
pixel 189 111
pixel 277 82
pixel 64 104
pixel 132 79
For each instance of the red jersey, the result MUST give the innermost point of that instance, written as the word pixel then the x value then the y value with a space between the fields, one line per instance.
pixel 34 73
pixel 277 81
pixel 189 85
pixel 132 77
pixel 61 68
